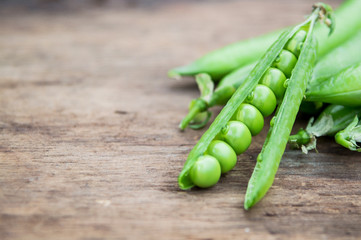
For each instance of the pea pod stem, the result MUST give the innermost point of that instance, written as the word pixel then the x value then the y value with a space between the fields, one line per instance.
pixel 269 158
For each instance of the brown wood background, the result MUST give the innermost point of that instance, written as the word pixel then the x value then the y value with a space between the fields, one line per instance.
pixel 89 144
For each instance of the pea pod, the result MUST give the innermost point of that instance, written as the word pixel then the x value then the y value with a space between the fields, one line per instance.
pixel 350 136
pixel 233 131
pixel 224 60
pixel 346 54
pixel 341 57
pixel 269 158
pixel 333 118
pixel 184 179
pixel 343 88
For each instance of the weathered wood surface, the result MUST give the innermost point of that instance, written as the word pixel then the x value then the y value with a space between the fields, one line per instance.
pixel 89 145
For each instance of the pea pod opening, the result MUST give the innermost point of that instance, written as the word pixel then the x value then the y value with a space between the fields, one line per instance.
pixel 185 180
pixel 237 98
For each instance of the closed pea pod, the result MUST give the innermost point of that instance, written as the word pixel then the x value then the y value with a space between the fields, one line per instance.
pixel 343 88
pixel 344 56
pixel 220 62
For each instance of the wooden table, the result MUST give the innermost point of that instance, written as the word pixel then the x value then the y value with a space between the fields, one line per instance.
pixel 89 145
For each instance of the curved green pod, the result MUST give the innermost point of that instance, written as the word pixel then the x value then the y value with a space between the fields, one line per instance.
pixel 222 61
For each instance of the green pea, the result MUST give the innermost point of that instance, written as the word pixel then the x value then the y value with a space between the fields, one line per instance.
pixel 224 153
pixel 251 117
pixel 205 172
pixel 263 99
pixel 285 62
pixel 237 135
pixel 294 45
pixel 275 79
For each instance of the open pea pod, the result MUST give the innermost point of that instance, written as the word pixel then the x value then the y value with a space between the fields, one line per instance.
pixel 247 87
pixel 237 98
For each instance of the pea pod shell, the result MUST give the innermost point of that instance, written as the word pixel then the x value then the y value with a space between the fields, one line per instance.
pixel 269 158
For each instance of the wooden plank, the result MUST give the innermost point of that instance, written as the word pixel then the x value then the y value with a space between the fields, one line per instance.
pixel 89 145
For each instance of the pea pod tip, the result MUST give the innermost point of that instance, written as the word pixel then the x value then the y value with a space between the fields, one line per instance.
pixel 248 203
pixel 174 74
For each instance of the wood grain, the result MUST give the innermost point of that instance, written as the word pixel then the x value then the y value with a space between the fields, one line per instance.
pixel 89 145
